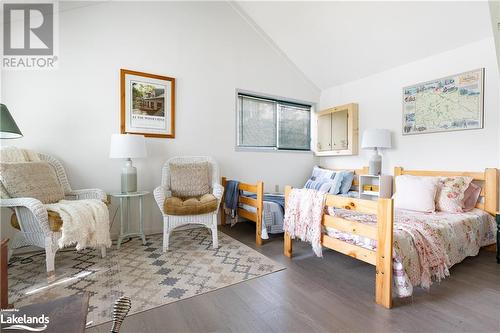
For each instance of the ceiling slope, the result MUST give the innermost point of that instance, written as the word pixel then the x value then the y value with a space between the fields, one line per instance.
pixel 337 42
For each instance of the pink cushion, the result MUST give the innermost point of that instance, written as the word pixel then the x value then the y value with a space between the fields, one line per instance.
pixel 471 196
pixel 450 194
pixel 416 193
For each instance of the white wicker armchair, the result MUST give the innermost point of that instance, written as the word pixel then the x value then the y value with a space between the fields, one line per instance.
pixel 33 216
pixel 162 192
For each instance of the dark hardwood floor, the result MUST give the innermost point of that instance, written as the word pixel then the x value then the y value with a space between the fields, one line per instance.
pixel 332 294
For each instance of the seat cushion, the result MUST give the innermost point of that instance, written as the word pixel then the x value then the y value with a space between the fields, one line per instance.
pixel 31 179
pixel 55 221
pixel 189 179
pixel 207 203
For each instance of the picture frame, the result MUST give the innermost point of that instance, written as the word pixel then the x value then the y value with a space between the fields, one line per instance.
pixel 147 104
pixel 450 103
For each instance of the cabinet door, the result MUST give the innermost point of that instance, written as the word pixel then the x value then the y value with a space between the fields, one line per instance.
pixel 339 130
pixel 325 132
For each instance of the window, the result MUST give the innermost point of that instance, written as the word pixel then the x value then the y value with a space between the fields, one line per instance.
pixel 273 124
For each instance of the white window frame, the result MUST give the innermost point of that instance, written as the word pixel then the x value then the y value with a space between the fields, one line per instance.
pixel 279 101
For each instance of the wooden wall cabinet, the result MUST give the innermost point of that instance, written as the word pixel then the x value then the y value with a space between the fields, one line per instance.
pixel 337 131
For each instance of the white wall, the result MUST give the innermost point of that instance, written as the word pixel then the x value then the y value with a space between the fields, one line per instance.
pixel 380 106
pixel 209 49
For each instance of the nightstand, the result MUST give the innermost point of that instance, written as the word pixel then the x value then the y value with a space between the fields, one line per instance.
pixel 497 217
pixel 374 187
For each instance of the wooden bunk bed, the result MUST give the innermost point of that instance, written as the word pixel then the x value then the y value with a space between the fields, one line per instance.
pixel 258 202
pixel 381 258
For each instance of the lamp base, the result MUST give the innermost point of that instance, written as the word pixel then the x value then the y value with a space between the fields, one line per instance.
pixel 129 177
pixel 375 164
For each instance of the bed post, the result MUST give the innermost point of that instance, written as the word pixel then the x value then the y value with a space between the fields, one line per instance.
pixel 223 213
pixel 260 199
pixel 490 190
pixel 383 280
pixel 287 247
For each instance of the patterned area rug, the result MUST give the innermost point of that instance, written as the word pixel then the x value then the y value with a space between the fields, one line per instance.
pixel 151 278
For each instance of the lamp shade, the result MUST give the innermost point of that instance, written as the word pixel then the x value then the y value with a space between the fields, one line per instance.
pixel 8 127
pixel 127 146
pixel 376 138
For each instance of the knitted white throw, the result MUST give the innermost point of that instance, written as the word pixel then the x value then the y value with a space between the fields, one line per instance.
pixel 85 223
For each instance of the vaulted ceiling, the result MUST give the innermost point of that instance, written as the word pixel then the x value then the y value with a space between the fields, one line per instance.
pixel 337 42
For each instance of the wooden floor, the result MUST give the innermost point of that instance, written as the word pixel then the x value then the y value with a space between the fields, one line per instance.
pixel 332 294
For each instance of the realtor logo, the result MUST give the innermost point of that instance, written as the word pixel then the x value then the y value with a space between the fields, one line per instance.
pixel 29 35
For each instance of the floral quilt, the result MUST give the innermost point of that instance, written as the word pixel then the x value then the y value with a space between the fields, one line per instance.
pixel 426 245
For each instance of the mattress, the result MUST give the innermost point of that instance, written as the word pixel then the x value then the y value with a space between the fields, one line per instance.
pixel 460 234
pixel 272 217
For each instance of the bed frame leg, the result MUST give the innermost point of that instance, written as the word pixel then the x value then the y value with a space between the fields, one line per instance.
pixel 383 280
pixel 287 244
pixel 287 248
pixel 260 210
pixel 223 213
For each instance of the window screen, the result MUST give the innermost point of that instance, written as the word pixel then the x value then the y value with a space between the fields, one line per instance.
pixel 273 124
pixel 258 123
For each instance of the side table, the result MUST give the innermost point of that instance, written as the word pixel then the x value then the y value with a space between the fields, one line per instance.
pixel 125 204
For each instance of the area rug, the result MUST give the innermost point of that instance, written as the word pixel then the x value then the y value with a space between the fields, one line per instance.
pixel 149 277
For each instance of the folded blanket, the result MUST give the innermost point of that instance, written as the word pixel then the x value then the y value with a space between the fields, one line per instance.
pixel 85 223
pixel 303 213
pixel 232 195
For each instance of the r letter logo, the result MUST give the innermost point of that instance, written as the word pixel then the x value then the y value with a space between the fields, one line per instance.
pixel 29 35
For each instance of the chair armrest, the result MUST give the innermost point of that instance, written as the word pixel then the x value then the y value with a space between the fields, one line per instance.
pixel 161 193
pixel 35 206
pixel 218 191
pixel 90 193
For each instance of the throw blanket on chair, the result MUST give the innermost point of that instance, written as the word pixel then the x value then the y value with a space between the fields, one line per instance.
pixel 303 213
pixel 231 198
pixel 85 223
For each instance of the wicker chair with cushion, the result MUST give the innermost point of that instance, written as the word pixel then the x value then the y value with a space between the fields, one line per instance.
pixel 189 194
pixel 39 227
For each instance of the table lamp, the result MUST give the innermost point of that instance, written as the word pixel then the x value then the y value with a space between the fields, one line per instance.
pixel 8 127
pixel 128 146
pixel 376 139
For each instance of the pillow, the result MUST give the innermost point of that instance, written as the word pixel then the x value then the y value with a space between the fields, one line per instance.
pixel 471 196
pixel 416 193
pixel 31 179
pixel 190 179
pixel 450 194
pixel 336 183
pixel 322 173
pixel 319 184
pixel 346 181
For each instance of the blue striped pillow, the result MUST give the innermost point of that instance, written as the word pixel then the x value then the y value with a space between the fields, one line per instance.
pixel 319 184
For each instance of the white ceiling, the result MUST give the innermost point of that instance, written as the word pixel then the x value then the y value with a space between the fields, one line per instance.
pixel 337 42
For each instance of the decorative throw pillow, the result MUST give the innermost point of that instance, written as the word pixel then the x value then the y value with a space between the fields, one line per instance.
pixel 416 193
pixel 322 173
pixel 346 181
pixel 319 184
pixel 31 179
pixel 337 182
pixel 189 180
pixel 471 196
pixel 450 193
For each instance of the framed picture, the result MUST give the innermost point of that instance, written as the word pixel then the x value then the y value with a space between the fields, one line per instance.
pixel 147 104
pixel 452 103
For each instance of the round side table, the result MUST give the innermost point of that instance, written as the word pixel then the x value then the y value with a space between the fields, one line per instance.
pixel 125 204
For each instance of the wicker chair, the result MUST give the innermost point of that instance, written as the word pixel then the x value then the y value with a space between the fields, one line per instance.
pixel 32 218
pixel 162 192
